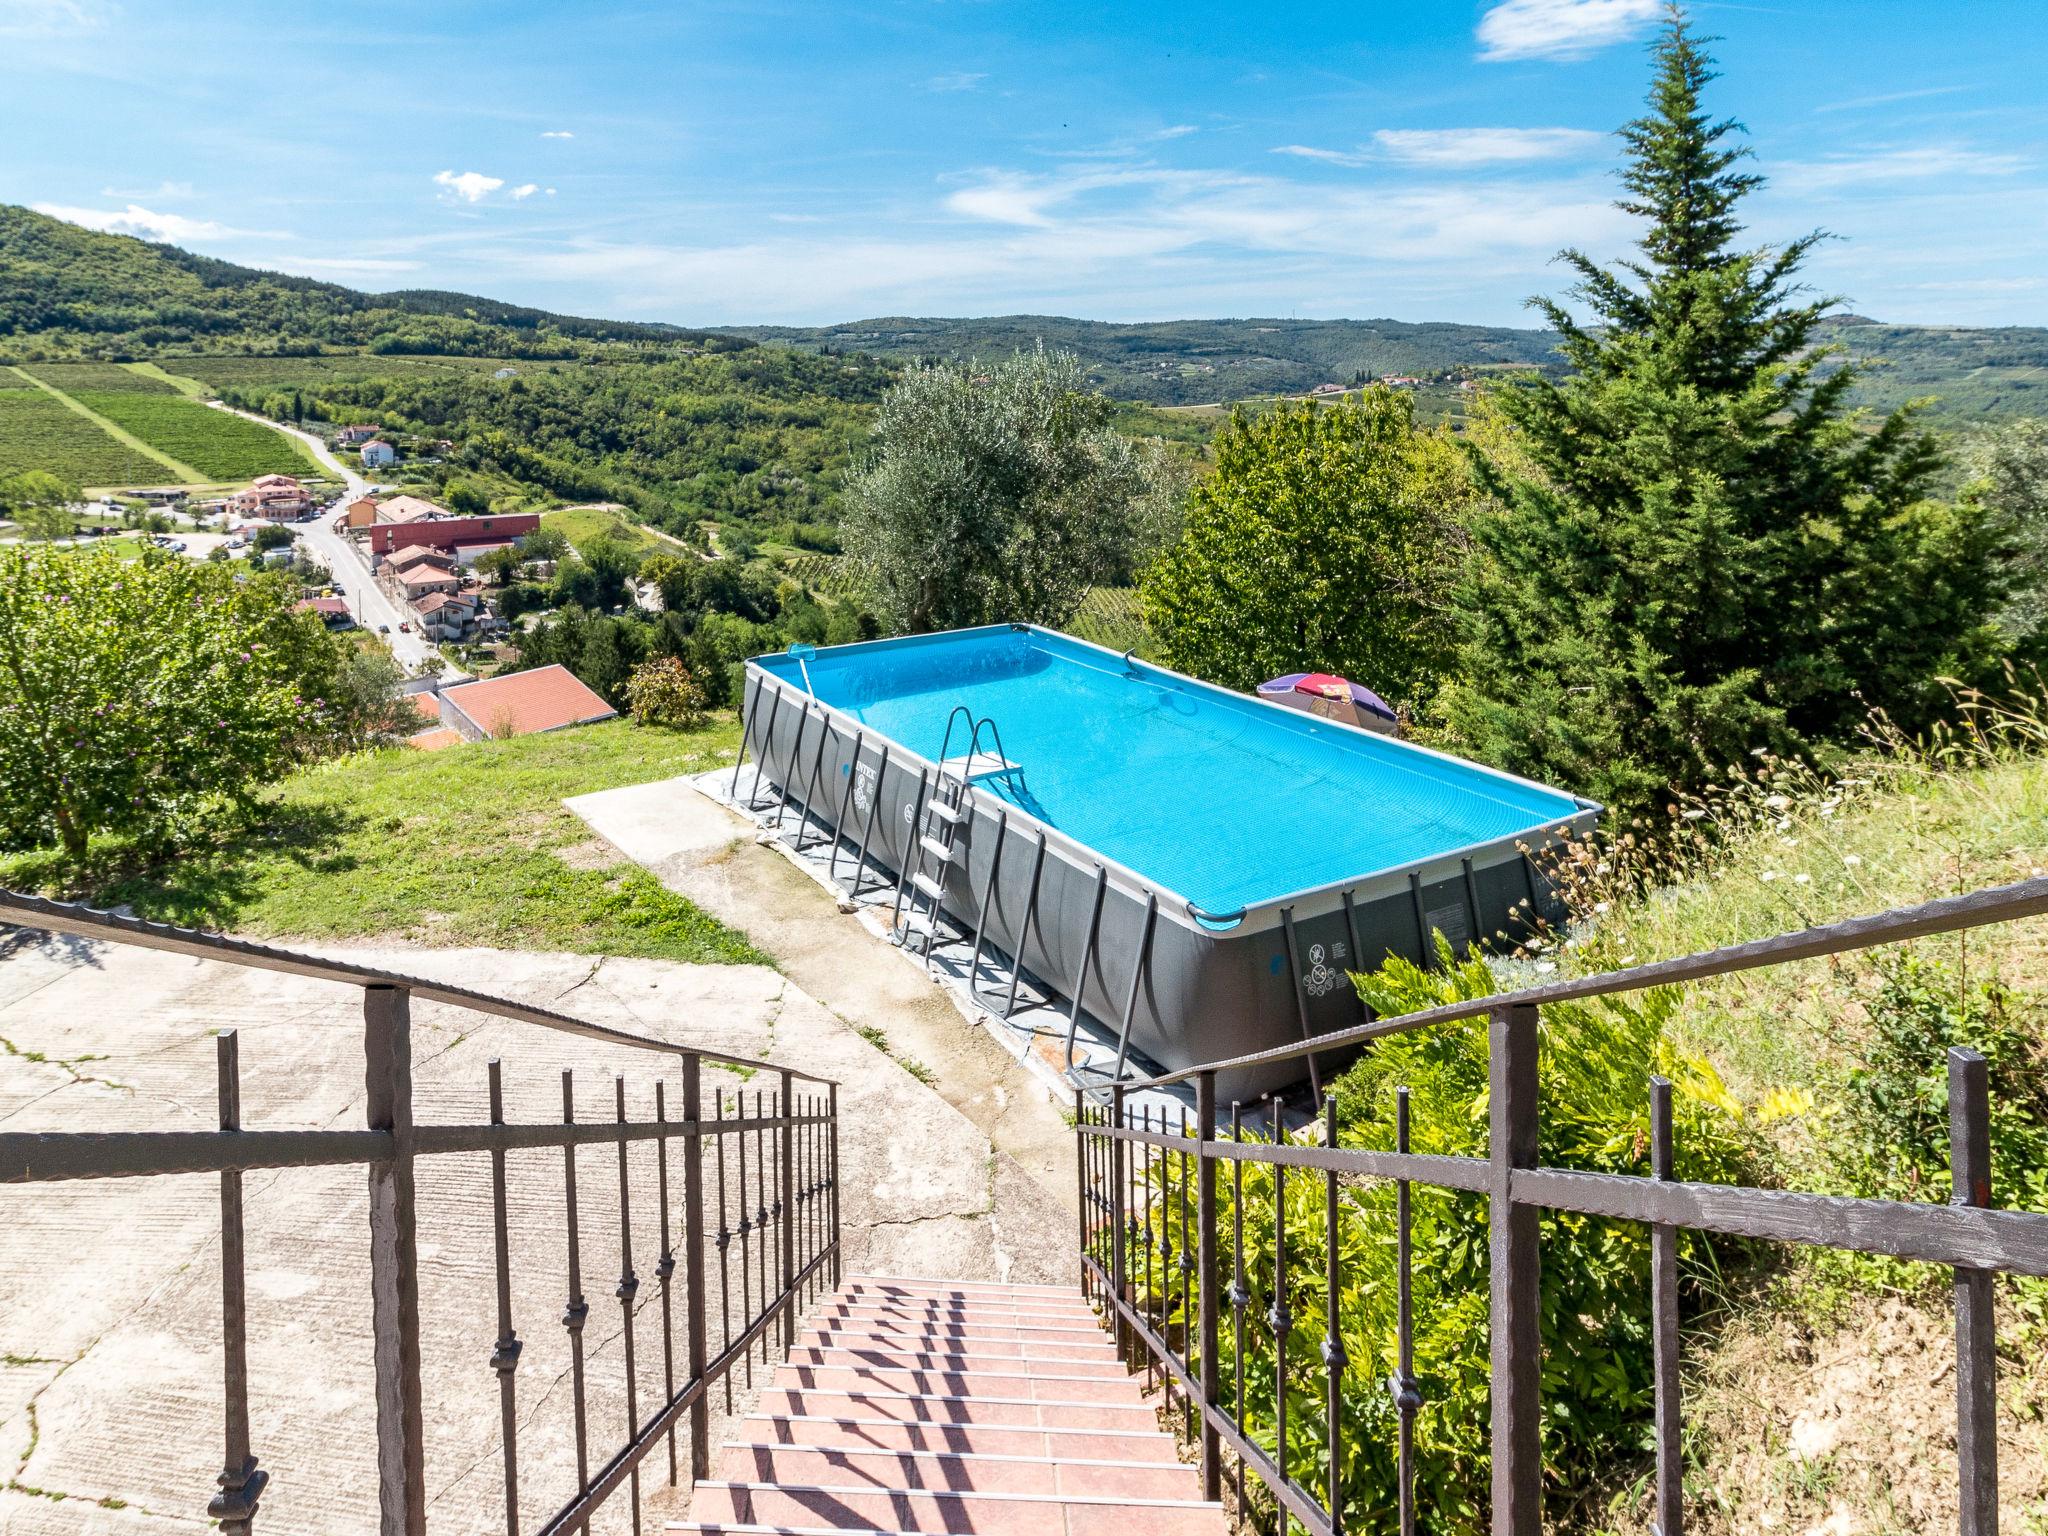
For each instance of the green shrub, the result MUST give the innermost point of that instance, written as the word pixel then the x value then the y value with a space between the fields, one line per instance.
pixel 1595 1060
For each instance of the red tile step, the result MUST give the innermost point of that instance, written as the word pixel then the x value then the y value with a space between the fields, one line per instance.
pixel 913 1405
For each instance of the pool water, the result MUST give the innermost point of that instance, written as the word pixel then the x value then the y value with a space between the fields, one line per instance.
pixel 1215 796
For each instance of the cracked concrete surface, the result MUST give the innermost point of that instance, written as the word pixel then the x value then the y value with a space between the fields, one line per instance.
pixel 110 1329
pixel 706 852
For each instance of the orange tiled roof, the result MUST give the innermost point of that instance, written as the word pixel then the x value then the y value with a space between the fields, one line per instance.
pixel 545 699
pixel 435 741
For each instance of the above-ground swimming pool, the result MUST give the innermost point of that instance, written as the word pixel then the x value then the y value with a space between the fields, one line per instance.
pixel 1200 868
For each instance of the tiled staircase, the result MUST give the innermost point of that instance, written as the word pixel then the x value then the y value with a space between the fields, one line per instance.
pixel 924 1405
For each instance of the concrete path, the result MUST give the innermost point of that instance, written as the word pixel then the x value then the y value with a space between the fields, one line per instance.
pixel 708 853
pixel 109 1290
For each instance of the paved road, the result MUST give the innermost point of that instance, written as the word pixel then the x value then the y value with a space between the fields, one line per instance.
pixel 372 606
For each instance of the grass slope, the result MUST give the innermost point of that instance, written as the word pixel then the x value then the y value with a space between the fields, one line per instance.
pixel 470 846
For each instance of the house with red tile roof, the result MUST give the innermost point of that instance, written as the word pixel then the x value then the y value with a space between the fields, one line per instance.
pixel 449 615
pixel 522 704
pixel 332 611
pixel 418 554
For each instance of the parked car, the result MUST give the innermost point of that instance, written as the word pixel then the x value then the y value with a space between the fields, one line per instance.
pixel 383 629
pixel 404 626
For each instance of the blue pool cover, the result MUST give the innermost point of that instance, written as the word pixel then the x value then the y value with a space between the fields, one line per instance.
pixel 1222 799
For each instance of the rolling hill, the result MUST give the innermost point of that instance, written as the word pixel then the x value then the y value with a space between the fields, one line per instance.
pixel 67 292
pixel 1971 372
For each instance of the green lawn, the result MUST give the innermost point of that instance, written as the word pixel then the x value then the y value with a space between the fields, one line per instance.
pixel 218 445
pixel 460 847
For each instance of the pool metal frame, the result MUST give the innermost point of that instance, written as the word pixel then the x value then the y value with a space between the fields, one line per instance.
pixel 1344 910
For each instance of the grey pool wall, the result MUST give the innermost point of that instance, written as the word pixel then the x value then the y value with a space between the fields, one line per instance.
pixel 1181 990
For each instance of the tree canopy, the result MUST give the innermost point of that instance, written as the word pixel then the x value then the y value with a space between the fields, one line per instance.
pixel 1326 540
pixel 134 697
pixel 996 493
pixel 1697 549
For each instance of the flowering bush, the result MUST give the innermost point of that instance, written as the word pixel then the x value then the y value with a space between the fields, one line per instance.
pixel 662 691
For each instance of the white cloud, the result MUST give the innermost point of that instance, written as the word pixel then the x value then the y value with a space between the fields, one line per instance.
pixel 1856 102
pixel 1918 162
pixel 1484 146
pixel 525 190
pixel 50 18
pixel 1560 29
pixel 1132 239
pixel 353 266
pixel 162 190
pixel 1177 131
pixel 470 186
pixel 148 224
pixel 961 80
pixel 1351 157
pixel 1452 148
pixel 558 133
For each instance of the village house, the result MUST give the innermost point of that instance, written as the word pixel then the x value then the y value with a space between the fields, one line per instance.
pixel 409 509
pixel 350 437
pixel 419 554
pixel 359 513
pixel 377 454
pixel 456 535
pixel 271 499
pixel 417 581
pixel 332 611
pixel 450 615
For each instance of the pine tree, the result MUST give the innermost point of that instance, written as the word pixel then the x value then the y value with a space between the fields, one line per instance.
pixel 1697 547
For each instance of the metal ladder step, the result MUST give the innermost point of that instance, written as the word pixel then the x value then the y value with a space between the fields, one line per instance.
pixel 934 889
pixel 936 849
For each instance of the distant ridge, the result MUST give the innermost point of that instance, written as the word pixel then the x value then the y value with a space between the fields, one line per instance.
pixel 1972 371
pixel 70 292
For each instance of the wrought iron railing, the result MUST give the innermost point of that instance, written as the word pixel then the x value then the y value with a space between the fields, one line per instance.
pixel 767 1207
pixel 1149 1197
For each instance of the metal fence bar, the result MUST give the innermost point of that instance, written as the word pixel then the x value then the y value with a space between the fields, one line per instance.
pixel 505 1353
pixel 1669 1415
pixel 1514 1263
pixel 1205 1261
pixel 832 1110
pixel 577 1309
pixel 1969 1108
pixel 1279 1318
pixel 695 1298
pixel 241 1483
pixel 787 1195
pixel 394 1266
pixel 1997 904
pixel 1333 1343
pixel 724 1244
pixel 665 1267
pixel 1406 1392
pixel 628 1288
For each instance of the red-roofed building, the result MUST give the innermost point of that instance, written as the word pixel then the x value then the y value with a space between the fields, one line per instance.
pixel 417 581
pixel 440 739
pixel 419 554
pixel 451 532
pixel 522 704
pixel 333 611
pixel 273 498
pixel 448 615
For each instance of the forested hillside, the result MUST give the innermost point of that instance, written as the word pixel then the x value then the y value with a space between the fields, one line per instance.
pixel 71 292
pixel 1972 372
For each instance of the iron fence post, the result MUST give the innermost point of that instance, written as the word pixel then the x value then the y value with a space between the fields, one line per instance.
pixel 394 1265
pixel 241 1484
pixel 1669 1398
pixel 1516 1301
pixel 1117 1218
pixel 1969 1112
pixel 693 1260
pixel 832 1108
pixel 1205 1243
pixel 788 1191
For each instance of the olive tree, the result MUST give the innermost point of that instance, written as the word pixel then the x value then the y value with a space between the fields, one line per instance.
pixel 996 492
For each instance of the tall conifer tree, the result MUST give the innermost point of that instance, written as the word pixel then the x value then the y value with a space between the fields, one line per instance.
pixel 1697 547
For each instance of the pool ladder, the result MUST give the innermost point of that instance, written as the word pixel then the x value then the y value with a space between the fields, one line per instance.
pixel 937 826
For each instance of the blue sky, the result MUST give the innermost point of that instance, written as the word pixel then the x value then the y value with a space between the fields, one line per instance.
pixel 721 161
